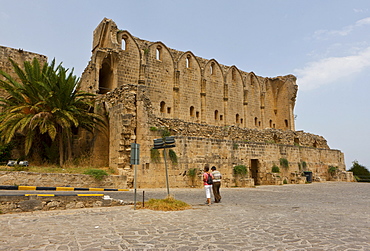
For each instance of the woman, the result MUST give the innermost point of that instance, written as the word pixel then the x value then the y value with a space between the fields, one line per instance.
pixel 207 184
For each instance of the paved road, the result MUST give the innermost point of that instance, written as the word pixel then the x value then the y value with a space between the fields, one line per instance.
pixel 318 216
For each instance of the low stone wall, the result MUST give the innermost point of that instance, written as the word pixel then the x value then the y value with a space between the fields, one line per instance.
pixel 16 204
pixel 11 178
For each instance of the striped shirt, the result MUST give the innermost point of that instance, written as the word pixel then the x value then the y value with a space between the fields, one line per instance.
pixel 216 176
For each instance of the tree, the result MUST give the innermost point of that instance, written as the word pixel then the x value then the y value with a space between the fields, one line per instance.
pixel 359 170
pixel 45 105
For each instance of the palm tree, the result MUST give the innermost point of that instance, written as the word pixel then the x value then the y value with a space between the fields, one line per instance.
pixel 45 102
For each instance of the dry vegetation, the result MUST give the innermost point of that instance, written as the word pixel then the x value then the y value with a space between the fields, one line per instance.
pixel 167 204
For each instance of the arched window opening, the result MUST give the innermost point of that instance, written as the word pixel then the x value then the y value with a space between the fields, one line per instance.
pixel 315 144
pixel 221 117
pixel 162 107
pixel 191 111
pixel 158 53
pixel 212 68
pixel 188 61
pixel 259 123
pixel 124 43
pixel 216 115
pixel 168 110
pixel 255 121
pixel 197 115
pixel 286 123
pixel 105 78
pixel 241 121
pixel 270 123
pixel 237 118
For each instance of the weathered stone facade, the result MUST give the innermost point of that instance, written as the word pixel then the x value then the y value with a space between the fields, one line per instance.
pixel 218 114
pixel 17 55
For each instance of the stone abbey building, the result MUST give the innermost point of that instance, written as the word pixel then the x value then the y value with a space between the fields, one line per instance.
pixel 219 115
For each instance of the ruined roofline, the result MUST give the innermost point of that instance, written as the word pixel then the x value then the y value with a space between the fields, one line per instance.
pixel 142 44
pixel 177 54
pixel 20 51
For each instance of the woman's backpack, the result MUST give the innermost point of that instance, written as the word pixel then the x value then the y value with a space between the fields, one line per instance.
pixel 209 179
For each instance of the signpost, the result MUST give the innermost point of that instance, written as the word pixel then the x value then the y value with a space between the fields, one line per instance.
pixel 134 160
pixel 163 143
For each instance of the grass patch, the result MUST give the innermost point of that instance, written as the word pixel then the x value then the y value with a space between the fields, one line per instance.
pixel 167 204
pixel 98 174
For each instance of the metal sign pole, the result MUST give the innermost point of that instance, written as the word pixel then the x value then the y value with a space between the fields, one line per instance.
pixel 163 143
pixel 165 163
pixel 135 171
pixel 134 160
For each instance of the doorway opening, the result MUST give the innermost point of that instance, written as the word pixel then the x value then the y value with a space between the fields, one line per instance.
pixel 254 171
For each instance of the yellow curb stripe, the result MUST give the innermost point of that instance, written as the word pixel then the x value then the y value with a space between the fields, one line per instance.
pixel 65 188
pixel 26 188
pixel 123 189
pixel 38 195
pixel 90 194
pixel 96 189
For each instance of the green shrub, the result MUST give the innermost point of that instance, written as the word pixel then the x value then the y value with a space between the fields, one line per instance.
pixel 153 128
pixel 173 156
pixel 284 162
pixel 155 155
pixel 5 152
pixel 240 170
pixel 275 169
pixel 304 164
pixel 285 181
pixel 165 132
pixel 235 146
pixel 332 169
pixel 192 172
pixel 98 174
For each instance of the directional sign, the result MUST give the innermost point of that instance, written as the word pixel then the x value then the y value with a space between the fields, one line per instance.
pixel 135 154
pixel 158 143
pixel 167 142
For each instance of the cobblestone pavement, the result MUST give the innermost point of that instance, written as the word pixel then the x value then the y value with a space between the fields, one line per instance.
pixel 318 216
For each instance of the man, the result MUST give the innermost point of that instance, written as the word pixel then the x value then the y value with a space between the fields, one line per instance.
pixel 216 184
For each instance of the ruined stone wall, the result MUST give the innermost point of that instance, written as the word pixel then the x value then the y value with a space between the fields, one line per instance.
pixel 184 86
pixel 198 144
pixel 19 56
pixel 194 152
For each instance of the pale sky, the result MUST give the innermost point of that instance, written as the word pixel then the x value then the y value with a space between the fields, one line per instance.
pixel 324 43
